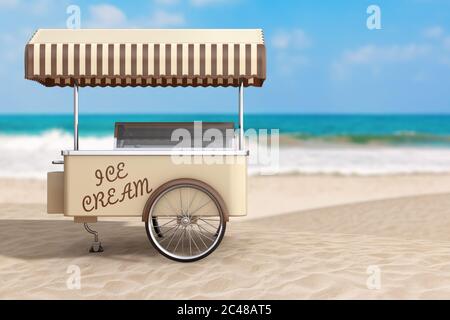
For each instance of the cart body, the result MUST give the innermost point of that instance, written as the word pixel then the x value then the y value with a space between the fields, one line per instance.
pixel 127 180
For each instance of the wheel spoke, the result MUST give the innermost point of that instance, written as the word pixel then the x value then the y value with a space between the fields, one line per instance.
pixel 191 232
pixel 173 235
pixel 170 204
pixel 197 233
pixel 181 203
pixel 205 228
pixel 192 201
pixel 163 217
pixel 179 239
pixel 172 227
pixel 190 242
pixel 207 223
pixel 160 226
pixel 203 205
pixel 199 228
pixel 189 196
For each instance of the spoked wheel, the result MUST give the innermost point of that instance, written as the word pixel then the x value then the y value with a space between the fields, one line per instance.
pixel 186 220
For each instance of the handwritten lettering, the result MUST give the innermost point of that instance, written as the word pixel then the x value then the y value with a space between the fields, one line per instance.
pixel 111 174
pixel 131 190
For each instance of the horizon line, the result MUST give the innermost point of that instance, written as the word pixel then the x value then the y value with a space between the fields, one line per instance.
pixel 227 113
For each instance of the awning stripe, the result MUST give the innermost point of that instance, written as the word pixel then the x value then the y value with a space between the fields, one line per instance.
pixel 168 59
pixel 122 61
pixel 53 60
pixel 156 59
pixel 99 59
pixel 237 60
pixel 225 60
pixel 146 64
pixel 76 60
pixel 261 61
pixel 65 59
pixel 87 63
pixel 71 59
pixel 202 60
pixel 133 59
pixel 110 58
pixel 191 59
pixel 179 60
pixel 29 58
pixel 214 59
pixel 42 59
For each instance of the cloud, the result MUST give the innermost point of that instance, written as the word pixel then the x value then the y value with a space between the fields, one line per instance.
pixel 377 56
pixel 289 50
pixel 32 7
pixel 167 2
pixel 204 3
pixel 446 43
pixel 10 41
pixel 9 4
pixel 288 63
pixel 296 38
pixel 109 16
pixel 106 16
pixel 434 32
pixel 438 33
pixel 370 54
pixel 161 18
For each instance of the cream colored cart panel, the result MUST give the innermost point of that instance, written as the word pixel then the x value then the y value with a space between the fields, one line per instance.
pixel 120 185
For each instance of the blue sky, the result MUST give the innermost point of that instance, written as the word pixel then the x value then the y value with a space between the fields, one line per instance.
pixel 322 58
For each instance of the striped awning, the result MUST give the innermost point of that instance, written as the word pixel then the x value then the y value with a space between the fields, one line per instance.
pixel 146 57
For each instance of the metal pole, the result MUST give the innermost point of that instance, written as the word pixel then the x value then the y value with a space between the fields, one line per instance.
pixel 75 116
pixel 241 116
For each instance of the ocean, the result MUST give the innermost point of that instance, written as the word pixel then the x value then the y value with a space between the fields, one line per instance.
pixel 317 144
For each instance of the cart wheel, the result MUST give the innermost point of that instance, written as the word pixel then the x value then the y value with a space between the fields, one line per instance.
pixel 186 221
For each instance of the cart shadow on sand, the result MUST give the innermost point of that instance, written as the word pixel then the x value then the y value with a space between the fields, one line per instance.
pixel 24 239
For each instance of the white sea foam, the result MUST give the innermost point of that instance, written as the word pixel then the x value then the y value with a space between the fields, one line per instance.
pixel 26 156
pixel 359 161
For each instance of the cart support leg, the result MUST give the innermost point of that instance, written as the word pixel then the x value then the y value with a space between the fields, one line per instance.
pixel 96 245
pixel 75 116
pixel 241 117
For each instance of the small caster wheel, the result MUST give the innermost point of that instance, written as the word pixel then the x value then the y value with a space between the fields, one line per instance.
pixel 96 247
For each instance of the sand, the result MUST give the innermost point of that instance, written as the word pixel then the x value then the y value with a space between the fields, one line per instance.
pixel 305 237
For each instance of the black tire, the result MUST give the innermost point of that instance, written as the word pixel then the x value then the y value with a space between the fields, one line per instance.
pixel 156 227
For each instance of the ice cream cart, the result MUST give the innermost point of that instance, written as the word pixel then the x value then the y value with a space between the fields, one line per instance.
pixel 179 177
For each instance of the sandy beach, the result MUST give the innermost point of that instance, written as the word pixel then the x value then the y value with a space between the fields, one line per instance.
pixel 318 237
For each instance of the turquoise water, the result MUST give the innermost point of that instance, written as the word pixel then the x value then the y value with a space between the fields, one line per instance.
pixel 418 130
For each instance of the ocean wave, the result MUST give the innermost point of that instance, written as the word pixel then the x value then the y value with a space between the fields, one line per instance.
pixel 407 138
pixel 30 156
pixel 360 161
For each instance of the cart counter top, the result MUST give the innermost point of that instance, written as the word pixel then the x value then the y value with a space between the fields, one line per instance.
pixel 155 152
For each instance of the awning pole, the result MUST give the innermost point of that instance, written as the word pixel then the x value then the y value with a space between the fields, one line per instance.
pixel 75 116
pixel 241 116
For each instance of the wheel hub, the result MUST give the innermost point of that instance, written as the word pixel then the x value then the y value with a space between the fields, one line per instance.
pixel 185 221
